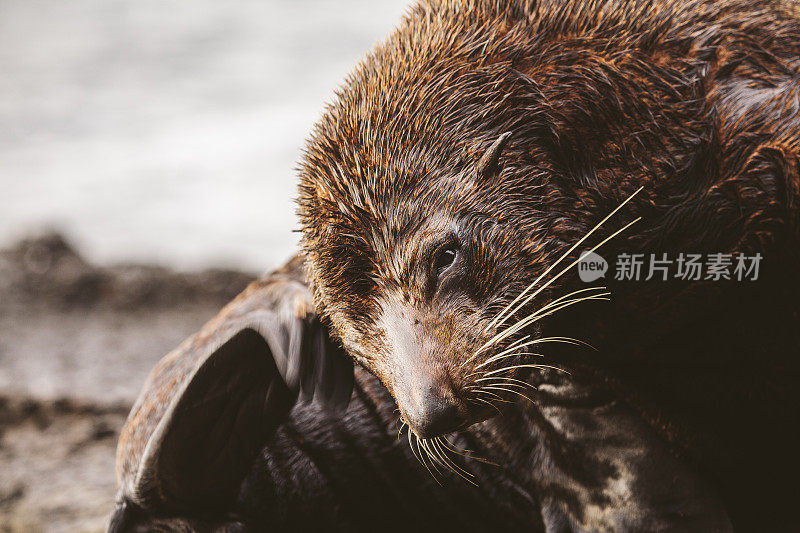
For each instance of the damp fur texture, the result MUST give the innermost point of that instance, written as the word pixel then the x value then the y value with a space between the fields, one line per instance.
pixel 695 101
pixel 459 164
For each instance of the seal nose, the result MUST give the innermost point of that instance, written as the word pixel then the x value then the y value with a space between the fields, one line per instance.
pixel 435 415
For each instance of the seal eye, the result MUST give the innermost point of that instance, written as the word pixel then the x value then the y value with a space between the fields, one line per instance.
pixel 444 260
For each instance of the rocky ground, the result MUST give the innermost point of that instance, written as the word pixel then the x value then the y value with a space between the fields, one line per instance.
pixel 76 343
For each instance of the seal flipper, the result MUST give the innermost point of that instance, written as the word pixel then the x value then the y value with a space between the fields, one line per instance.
pixel 207 439
pixel 208 407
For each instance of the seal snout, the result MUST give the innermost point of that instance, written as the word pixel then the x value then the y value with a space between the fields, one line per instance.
pixel 421 372
pixel 434 412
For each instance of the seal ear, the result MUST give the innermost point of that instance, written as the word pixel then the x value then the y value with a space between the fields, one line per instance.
pixel 489 163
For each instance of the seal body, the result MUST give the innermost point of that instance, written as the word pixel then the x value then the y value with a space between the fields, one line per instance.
pixel 695 102
pixel 461 170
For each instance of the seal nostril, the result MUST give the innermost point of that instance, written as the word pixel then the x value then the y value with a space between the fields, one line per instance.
pixel 438 415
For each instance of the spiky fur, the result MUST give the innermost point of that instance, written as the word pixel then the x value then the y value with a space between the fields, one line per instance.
pixel 696 101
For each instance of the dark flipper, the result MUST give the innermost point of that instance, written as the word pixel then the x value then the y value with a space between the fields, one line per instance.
pixel 208 407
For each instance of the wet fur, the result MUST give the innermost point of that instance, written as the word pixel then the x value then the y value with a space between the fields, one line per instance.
pixel 680 420
pixel 695 101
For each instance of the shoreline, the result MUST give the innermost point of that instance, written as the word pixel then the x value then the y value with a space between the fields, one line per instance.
pixel 76 344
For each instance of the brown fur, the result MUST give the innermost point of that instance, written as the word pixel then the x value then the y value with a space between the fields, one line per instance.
pixel 696 101
pixel 422 220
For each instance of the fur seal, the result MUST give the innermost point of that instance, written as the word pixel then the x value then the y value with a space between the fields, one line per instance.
pixel 465 165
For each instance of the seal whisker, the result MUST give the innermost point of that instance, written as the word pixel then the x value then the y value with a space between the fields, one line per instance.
pixel 483 372
pixel 491 394
pixel 468 454
pixel 411 446
pixel 501 335
pixel 578 291
pixel 526 366
pixel 512 346
pixel 565 340
pixel 420 457
pixel 433 454
pixel 502 381
pixel 506 356
pixel 424 444
pixel 496 387
pixel 508 350
pixel 437 444
pixel 453 448
pixel 504 378
pixel 500 319
pixel 507 381
pixel 490 404
pixel 568 267
pixel 400 430
pixel 533 317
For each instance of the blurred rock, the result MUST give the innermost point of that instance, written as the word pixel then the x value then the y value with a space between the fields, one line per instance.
pixel 57 460
pixel 47 270
pixel 76 344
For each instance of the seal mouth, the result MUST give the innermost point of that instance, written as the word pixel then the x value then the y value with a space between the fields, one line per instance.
pixel 447 427
pixel 432 405
pixel 438 421
pixel 438 453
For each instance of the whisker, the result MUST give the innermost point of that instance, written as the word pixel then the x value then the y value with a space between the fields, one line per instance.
pixel 504 378
pixel 433 452
pixel 411 446
pixel 526 366
pixel 464 474
pixel 422 460
pixel 565 340
pixel 490 404
pixel 481 372
pixel 515 346
pixel 489 393
pixel 568 267
pixel 432 459
pixel 512 346
pixel 504 333
pixel 497 319
pixel 453 448
pixel 533 317
pixel 511 391
pixel 436 456
pixel 502 381
pixel 506 356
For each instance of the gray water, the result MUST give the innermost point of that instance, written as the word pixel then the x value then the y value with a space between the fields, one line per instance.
pixel 167 130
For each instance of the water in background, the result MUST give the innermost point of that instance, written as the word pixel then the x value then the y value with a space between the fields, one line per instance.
pixel 167 130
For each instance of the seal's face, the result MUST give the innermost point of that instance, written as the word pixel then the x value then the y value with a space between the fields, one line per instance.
pixel 398 301
pixel 417 234
pixel 412 282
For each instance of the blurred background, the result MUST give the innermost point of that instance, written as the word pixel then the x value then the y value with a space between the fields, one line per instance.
pixel 167 131
pixel 146 175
